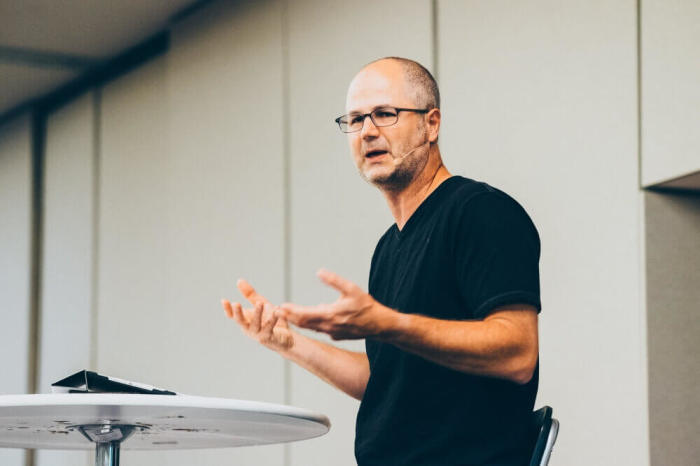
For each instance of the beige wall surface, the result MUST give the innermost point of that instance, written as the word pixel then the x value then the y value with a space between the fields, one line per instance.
pixel 15 234
pixel 673 275
pixel 190 199
pixel 67 243
pixel 67 253
pixel 336 218
pixel 539 100
pixel 670 73
pixel 220 159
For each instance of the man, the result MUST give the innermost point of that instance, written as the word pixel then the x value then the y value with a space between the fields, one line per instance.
pixel 450 320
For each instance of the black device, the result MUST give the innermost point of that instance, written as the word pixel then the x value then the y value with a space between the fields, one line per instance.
pixel 91 382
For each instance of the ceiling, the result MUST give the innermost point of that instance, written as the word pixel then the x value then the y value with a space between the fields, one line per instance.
pixel 46 43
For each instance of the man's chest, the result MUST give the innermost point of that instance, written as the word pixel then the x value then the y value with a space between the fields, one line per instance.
pixel 416 273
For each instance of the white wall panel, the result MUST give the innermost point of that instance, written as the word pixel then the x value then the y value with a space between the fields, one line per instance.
pixel 15 263
pixel 67 243
pixel 336 218
pixel 191 199
pixel 67 254
pixel 539 100
pixel 133 231
pixel 670 61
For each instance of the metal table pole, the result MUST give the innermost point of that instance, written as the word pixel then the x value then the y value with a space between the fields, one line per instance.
pixel 107 439
pixel 107 454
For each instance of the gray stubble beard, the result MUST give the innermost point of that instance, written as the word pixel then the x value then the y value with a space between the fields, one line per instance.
pixel 402 176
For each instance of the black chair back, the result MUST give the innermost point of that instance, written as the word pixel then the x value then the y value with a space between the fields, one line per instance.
pixel 541 425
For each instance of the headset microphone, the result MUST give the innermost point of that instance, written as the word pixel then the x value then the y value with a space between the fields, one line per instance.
pixel 406 154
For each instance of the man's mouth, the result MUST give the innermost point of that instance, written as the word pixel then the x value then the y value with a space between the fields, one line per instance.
pixel 375 153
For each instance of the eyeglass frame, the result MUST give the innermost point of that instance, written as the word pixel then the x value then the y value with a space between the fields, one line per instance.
pixel 365 115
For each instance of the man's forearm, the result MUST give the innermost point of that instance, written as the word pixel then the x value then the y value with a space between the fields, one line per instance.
pixel 497 346
pixel 345 370
pixel 502 345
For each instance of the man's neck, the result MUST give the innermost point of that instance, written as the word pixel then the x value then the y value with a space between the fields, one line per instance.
pixel 404 203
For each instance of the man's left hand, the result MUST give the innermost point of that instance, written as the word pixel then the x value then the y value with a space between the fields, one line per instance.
pixel 355 314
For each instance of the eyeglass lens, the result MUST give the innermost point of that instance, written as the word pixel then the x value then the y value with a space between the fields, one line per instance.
pixel 380 117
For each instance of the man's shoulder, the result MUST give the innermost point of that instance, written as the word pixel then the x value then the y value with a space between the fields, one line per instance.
pixel 459 199
pixel 459 188
pixel 465 193
pixel 475 203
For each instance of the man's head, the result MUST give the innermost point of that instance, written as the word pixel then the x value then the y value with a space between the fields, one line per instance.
pixel 392 156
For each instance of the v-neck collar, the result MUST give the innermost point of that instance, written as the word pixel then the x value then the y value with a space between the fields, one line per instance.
pixel 424 208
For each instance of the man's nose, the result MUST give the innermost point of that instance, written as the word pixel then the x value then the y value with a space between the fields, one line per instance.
pixel 369 129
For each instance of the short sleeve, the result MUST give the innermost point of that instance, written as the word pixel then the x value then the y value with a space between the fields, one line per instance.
pixel 497 251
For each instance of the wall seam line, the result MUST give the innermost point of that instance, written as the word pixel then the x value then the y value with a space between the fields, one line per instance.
pixel 96 141
pixel 286 194
pixel 37 137
pixel 639 95
pixel 642 231
pixel 434 36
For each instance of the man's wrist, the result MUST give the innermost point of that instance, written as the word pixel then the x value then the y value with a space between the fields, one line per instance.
pixel 391 324
pixel 296 350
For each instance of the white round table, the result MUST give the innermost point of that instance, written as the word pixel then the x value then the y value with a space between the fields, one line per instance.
pixel 110 421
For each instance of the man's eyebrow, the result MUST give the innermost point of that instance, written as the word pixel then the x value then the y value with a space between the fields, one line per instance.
pixel 357 112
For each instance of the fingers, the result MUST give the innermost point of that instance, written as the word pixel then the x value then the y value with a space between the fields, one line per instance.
pixel 269 325
pixel 262 318
pixel 249 292
pixel 336 281
pixel 304 316
pixel 239 316
pixel 235 311
pixel 227 308
pixel 281 320
pixel 292 312
pixel 282 316
pixel 256 320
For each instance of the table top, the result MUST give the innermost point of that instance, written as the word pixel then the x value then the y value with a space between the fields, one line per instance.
pixel 162 421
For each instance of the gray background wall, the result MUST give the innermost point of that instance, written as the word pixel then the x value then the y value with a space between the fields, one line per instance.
pixel 219 160
pixel 336 218
pixel 670 95
pixel 541 103
pixel 67 291
pixel 15 261
pixel 673 254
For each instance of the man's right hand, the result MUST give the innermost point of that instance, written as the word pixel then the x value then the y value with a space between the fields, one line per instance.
pixel 260 321
pixel 347 370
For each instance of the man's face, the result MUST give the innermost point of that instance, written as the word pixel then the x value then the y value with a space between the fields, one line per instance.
pixel 383 154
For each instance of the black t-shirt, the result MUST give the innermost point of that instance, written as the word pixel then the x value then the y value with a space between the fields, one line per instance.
pixel 466 250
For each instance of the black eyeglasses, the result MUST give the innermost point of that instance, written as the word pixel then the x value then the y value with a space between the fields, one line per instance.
pixel 382 116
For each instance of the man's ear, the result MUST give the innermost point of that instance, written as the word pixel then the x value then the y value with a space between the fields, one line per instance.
pixel 434 117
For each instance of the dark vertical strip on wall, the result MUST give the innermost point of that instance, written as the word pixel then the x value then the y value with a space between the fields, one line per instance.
pixel 639 92
pixel 434 32
pixel 38 140
pixel 287 193
pixel 645 238
pixel 94 288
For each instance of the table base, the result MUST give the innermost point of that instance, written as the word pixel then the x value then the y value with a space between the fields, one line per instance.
pixel 107 439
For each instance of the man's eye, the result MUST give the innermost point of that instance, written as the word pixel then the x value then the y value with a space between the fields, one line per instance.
pixel 355 119
pixel 385 113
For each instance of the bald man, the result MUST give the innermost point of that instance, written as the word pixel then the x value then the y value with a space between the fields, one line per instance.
pixel 450 372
